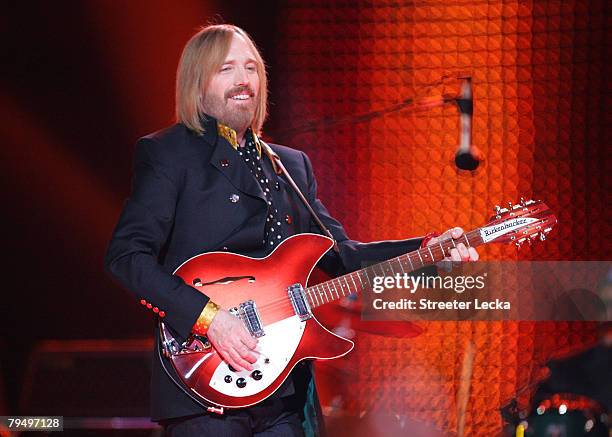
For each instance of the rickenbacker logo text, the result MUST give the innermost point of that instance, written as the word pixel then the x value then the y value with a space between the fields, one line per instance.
pixel 493 232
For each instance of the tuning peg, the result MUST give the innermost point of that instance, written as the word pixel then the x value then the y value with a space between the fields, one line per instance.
pixel 497 209
pixel 542 236
pixel 522 202
pixel 518 244
pixel 509 205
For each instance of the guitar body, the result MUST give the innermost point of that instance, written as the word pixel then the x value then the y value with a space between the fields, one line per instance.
pixel 229 280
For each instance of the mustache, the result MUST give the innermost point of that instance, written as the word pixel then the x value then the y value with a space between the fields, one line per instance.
pixel 239 90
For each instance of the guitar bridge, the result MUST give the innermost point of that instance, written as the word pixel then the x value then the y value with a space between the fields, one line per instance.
pixel 297 296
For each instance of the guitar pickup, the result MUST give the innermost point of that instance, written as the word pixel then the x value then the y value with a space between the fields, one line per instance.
pixel 247 311
pixel 298 299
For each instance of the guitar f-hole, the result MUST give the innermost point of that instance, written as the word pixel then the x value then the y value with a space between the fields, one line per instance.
pixel 223 281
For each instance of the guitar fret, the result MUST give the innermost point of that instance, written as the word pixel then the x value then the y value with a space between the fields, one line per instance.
pixel 410 261
pixel 312 300
pixel 466 240
pixel 442 249
pixel 432 257
pixel 391 267
pixel 330 290
pixel 341 288
pixel 419 254
pixel 401 266
pixel 360 281
pixel 315 295
pixel 355 285
pixel 348 287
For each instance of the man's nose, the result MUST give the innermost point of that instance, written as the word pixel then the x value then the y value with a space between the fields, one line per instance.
pixel 241 77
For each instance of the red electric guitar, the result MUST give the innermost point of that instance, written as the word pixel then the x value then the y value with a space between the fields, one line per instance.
pixel 271 297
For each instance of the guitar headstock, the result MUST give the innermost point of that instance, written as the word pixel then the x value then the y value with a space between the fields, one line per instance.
pixel 526 221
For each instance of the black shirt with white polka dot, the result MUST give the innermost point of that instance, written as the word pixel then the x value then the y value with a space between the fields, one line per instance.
pixel 273 234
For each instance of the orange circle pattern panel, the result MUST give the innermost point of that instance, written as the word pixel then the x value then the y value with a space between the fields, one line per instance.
pixel 536 69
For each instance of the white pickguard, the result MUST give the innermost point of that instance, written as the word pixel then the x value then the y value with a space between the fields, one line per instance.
pixel 278 345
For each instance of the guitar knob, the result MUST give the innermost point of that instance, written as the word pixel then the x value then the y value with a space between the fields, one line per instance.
pixel 241 382
pixel 256 375
pixel 228 378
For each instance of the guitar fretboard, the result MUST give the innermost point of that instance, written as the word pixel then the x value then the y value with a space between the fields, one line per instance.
pixel 362 280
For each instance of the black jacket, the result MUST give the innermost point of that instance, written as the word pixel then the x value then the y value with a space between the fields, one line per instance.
pixel 183 203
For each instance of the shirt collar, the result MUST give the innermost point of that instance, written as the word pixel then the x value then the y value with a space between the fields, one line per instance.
pixel 230 136
pixel 214 129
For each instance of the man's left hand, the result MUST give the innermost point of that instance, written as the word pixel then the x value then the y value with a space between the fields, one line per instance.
pixel 461 252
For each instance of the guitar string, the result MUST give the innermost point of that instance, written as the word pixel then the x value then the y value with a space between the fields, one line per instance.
pixel 318 296
pixel 314 292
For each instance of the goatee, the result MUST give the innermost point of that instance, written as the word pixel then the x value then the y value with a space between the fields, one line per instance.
pixel 239 118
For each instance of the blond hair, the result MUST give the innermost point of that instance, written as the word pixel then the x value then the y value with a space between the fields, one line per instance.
pixel 202 56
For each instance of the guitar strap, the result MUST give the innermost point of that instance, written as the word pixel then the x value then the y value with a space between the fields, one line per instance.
pixel 280 169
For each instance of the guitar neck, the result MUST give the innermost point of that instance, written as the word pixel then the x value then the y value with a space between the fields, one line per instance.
pixel 362 280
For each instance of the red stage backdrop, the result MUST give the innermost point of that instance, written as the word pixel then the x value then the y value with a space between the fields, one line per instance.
pixel 537 70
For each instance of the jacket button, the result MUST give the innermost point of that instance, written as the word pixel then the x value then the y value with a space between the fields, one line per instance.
pixel 149 306
pixel 225 248
pixel 277 186
pixel 224 162
pixel 155 310
pixel 234 198
pixel 162 314
pixel 288 219
pixel 143 302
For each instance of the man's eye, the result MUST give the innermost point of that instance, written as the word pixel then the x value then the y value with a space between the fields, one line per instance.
pixel 226 68
pixel 251 68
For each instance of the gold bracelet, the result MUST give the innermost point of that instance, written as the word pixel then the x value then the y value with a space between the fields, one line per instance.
pixel 206 317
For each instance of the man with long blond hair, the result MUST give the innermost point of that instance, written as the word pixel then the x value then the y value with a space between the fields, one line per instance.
pixel 207 184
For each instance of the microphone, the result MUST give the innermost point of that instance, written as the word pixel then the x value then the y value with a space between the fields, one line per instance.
pixel 466 157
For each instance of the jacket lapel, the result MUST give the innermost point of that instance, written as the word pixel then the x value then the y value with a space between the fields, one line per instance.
pixel 225 159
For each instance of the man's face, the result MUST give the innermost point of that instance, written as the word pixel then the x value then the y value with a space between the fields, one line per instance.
pixel 231 96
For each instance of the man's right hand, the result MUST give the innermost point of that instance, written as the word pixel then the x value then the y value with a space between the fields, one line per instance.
pixel 232 341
